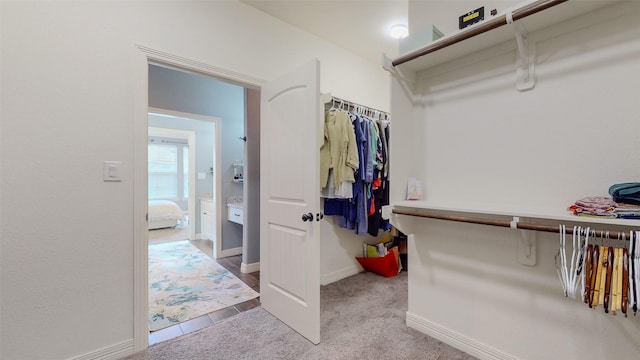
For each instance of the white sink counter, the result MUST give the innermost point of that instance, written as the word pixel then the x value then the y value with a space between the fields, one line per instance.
pixel 235 213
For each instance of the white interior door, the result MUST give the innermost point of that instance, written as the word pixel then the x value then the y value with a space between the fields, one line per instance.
pixel 291 119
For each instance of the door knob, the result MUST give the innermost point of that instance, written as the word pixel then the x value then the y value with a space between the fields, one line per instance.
pixel 307 217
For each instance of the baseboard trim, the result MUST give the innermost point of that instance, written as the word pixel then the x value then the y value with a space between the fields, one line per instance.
pixel 326 279
pixel 112 352
pixel 249 268
pixel 231 252
pixel 458 341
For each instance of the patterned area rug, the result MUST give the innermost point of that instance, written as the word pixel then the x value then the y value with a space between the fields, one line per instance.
pixel 184 283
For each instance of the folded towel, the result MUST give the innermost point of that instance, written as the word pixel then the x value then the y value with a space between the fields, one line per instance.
pixel 597 202
pixel 626 192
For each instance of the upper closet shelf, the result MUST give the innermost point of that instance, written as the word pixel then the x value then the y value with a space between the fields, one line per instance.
pixel 533 15
pixel 504 210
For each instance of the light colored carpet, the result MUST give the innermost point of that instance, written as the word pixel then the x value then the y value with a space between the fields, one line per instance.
pixel 184 283
pixel 180 232
pixel 362 317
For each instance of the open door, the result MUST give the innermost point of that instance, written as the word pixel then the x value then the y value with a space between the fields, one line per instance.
pixel 291 119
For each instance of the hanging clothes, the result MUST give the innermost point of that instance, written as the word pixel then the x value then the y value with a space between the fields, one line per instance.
pixel 360 209
pixel 338 152
pixel 380 186
pixel 358 219
pixel 353 211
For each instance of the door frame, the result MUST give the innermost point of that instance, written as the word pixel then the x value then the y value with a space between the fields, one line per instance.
pixel 142 57
pixel 190 136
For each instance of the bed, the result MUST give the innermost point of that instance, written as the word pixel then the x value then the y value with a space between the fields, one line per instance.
pixel 164 214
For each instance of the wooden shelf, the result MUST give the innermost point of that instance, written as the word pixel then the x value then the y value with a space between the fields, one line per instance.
pixel 511 210
pixel 490 32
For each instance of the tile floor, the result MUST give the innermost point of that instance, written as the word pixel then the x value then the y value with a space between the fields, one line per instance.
pixel 232 264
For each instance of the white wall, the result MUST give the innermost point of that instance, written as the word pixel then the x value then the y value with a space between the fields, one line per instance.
pixel 481 141
pixel 444 14
pixel 67 105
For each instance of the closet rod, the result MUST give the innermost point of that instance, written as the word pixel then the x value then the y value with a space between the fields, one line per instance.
pixel 502 223
pixel 478 29
pixel 352 104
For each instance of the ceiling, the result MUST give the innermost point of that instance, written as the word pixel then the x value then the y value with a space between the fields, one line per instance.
pixel 361 26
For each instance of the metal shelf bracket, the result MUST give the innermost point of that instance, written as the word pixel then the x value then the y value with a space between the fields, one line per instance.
pixel 526 243
pixel 525 62
pixel 407 80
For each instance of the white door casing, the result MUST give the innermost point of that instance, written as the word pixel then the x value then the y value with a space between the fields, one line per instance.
pixel 291 118
pixel 143 56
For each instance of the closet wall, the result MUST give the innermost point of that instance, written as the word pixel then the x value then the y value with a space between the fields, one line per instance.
pixel 476 141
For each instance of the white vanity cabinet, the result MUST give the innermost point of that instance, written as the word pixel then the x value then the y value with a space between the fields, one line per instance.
pixel 235 213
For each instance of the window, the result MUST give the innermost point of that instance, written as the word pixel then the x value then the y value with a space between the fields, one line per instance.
pixel 168 170
pixel 185 172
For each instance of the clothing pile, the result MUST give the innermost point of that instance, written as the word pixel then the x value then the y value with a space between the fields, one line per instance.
pixel 354 170
pixel 624 203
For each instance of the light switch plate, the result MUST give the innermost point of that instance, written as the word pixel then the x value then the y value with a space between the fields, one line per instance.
pixel 111 171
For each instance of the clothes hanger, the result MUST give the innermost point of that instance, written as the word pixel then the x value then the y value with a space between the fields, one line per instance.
pixel 600 277
pixel 619 274
pixel 614 282
pixel 625 281
pixel 560 264
pixel 631 272
pixel 582 249
pixel 604 253
pixel 609 269
pixel 587 276
pixel 613 304
pixel 593 291
pixel 575 242
pixel 607 284
pixel 635 269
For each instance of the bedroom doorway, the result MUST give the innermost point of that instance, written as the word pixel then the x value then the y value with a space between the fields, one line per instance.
pixel 171 181
pixel 161 84
pixel 184 170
